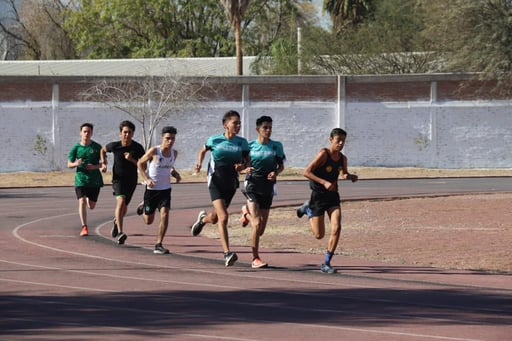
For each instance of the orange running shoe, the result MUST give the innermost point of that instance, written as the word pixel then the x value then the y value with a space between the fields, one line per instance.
pixel 243 219
pixel 258 263
pixel 84 232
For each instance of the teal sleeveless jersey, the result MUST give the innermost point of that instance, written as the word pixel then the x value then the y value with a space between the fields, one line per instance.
pixel 265 158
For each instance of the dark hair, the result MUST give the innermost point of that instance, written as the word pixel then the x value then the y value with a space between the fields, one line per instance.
pixel 338 132
pixel 128 124
pixel 87 125
pixel 262 120
pixel 169 130
pixel 227 116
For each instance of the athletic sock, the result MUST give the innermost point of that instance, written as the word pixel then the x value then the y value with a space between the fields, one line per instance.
pixel 328 257
pixel 308 212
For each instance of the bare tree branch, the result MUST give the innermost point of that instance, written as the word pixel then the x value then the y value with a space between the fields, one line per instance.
pixel 148 99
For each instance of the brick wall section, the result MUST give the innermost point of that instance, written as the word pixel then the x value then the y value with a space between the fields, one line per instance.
pixel 71 92
pixel 388 92
pixel 277 89
pixel 25 91
pixel 306 91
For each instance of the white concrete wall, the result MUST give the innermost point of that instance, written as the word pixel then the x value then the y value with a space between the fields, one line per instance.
pixel 38 136
pixel 440 135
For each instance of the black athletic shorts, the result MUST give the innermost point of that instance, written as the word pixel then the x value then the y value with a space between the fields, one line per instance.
pixel 125 189
pixel 254 193
pixel 156 199
pixel 226 192
pixel 89 192
pixel 321 202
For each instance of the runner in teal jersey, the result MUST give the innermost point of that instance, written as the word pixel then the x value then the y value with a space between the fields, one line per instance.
pixel 267 161
pixel 229 156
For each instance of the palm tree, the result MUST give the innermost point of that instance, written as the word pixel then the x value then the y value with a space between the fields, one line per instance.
pixel 235 10
pixel 345 12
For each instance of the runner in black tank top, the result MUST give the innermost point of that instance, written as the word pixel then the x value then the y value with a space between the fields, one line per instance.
pixel 323 174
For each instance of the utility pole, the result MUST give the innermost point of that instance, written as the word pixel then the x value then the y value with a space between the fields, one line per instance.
pixel 299 50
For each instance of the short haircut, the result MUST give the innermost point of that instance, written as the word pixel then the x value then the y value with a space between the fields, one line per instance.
pixel 169 130
pixel 89 125
pixel 128 124
pixel 262 120
pixel 338 132
pixel 227 116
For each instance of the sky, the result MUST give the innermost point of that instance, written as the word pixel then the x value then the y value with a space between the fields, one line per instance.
pixel 325 21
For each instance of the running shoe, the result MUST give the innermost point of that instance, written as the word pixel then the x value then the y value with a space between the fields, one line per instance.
pixel 302 209
pixel 140 208
pixel 115 230
pixel 198 225
pixel 243 219
pixel 160 250
pixel 258 263
pixel 121 238
pixel 326 268
pixel 84 232
pixel 230 258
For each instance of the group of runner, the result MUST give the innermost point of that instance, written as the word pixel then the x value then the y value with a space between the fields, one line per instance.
pixel 260 160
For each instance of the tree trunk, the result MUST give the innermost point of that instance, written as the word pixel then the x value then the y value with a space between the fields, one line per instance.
pixel 239 53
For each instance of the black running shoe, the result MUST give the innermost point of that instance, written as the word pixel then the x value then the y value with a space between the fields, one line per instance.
pixel 160 250
pixel 198 225
pixel 121 238
pixel 230 258
pixel 140 208
pixel 115 230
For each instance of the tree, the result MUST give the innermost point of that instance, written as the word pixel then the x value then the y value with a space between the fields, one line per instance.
pixel 177 28
pixel 390 41
pixel 235 10
pixel 35 29
pixel 147 99
pixel 149 28
pixel 475 36
pixel 347 12
pixel 278 51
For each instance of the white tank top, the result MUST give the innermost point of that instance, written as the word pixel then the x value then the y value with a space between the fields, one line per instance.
pixel 160 171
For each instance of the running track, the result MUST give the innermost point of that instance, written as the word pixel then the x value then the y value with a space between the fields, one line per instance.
pixel 55 285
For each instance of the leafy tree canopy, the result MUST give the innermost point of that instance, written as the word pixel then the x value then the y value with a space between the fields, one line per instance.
pixel 163 28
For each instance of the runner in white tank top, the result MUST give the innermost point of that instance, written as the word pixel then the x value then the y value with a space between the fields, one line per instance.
pixel 160 168
pixel 156 167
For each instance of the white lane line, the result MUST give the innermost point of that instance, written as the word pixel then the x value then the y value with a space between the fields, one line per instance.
pixel 54 285
pixel 16 230
pixel 259 276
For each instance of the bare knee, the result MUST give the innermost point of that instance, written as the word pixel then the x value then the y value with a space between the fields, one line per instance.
pixel 319 235
pixel 148 219
pixel 222 219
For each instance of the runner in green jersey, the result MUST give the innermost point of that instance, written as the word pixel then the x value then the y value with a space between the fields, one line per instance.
pixel 85 157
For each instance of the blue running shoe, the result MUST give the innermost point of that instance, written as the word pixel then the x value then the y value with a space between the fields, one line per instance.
pixel 327 269
pixel 302 209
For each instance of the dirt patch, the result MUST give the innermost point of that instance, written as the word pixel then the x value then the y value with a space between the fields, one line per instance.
pixel 457 232
pixel 471 232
